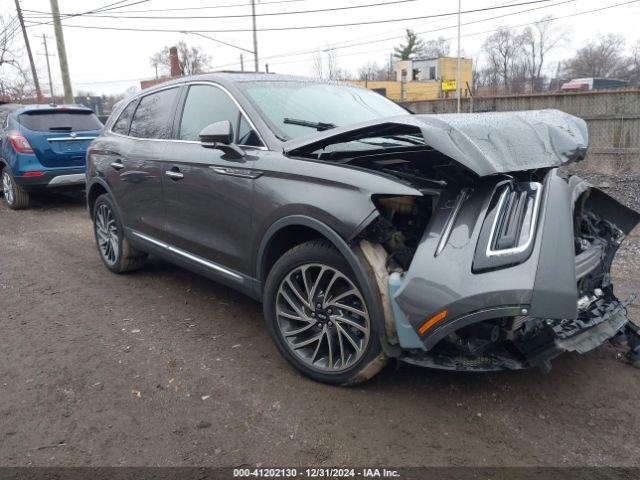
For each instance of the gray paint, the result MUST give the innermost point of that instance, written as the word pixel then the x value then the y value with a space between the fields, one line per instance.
pixel 231 220
pixel 545 284
pixel 485 143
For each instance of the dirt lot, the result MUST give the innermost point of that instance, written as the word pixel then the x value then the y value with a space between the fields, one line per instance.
pixel 163 367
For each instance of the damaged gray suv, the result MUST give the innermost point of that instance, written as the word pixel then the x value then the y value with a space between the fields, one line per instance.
pixel 446 241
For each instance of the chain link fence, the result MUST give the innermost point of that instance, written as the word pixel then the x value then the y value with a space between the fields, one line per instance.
pixel 612 116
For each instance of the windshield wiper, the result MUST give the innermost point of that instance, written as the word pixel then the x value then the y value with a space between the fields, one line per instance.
pixel 64 129
pixel 320 126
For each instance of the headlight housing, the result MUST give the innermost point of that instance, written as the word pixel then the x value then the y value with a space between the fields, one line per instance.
pixel 509 229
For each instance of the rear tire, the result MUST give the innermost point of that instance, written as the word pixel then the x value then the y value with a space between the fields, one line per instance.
pixel 318 317
pixel 114 247
pixel 14 195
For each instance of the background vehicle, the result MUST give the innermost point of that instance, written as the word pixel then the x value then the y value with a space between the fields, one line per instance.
pixel 43 147
pixel 449 241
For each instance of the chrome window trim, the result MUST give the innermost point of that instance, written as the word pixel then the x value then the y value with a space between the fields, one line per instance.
pixel 190 256
pixel 532 229
pixel 174 140
pixel 68 139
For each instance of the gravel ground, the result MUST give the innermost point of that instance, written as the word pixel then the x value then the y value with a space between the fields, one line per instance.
pixel 163 367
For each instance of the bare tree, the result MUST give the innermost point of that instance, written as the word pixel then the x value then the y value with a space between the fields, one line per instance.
pixel 504 53
pixel 601 57
pixel 537 42
pixel 372 71
pixel 634 63
pixel 158 62
pixel 437 48
pixel 325 65
pixel 192 60
pixel 332 64
pixel 413 47
pixel 318 64
pixel 8 56
pixel 15 82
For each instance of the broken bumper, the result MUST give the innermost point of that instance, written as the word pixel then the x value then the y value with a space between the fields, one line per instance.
pixel 533 303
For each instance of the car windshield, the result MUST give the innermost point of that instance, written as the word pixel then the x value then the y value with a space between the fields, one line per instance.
pixel 295 109
pixel 60 121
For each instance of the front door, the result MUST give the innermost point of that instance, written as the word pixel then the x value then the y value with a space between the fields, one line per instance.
pixel 207 198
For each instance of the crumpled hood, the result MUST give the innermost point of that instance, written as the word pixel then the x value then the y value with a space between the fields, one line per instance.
pixel 486 143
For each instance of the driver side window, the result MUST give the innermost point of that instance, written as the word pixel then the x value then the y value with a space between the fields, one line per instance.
pixel 206 104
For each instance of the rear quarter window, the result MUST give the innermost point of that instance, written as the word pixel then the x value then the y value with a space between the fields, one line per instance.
pixel 60 121
pixel 153 117
pixel 124 120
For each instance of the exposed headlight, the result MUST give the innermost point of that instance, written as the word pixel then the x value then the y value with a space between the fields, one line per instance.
pixel 509 229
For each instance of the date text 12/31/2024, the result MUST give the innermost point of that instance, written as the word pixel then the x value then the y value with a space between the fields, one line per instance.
pixel 315 473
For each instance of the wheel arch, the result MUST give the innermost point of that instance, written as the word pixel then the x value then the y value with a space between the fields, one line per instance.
pixel 293 230
pixel 319 230
pixel 96 188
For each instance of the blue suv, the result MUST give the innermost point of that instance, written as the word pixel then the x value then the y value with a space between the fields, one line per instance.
pixel 43 147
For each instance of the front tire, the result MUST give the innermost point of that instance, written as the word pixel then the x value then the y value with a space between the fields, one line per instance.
pixel 115 249
pixel 318 317
pixel 14 195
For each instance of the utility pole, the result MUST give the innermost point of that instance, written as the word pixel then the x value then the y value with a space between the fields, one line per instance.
pixel 46 54
pixel 255 36
pixel 33 65
pixel 458 59
pixel 241 63
pixel 62 52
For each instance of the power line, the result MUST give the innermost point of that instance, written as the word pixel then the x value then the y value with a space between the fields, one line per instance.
pixel 268 14
pixel 274 2
pixel 494 30
pixel 308 27
pixel 220 41
pixel 180 9
pixel 584 12
pixel 396 37
pixel 105 8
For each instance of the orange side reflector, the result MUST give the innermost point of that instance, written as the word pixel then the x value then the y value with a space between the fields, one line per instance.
pixel 432 321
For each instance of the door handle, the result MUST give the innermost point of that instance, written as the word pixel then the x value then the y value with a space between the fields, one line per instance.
pixel 117 164
pixel 173 175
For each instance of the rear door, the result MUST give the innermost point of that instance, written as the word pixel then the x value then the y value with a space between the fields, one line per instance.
pixel 208 198
pixel 60 137
pixel 137 147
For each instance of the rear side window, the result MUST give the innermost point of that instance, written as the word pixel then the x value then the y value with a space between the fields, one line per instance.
pixel 122 124
pixel 154 115
pixel 60 121
pixel 206 104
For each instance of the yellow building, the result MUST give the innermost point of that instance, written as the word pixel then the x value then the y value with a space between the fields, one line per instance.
pixel 425 79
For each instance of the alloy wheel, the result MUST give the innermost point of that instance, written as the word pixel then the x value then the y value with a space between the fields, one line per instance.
pixel 7 188
pixel 107 234
pixel 322 317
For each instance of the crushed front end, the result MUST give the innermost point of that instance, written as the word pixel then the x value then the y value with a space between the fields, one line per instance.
pixel 508 273
pixel 498 259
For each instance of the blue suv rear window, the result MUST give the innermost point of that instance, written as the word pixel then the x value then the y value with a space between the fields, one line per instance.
pixel 60 121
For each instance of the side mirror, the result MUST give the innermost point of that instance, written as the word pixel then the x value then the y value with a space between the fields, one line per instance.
pixel 219 132
pixel 219 136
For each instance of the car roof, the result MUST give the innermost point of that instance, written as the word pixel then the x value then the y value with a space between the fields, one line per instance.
pixel 226 78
